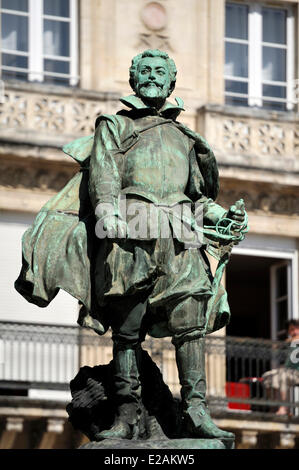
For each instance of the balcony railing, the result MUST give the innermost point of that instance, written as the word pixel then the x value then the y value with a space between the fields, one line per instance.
pixel 251 138
pixel 50 115
pixel 37 353
pixel 51 355
pixel 246 387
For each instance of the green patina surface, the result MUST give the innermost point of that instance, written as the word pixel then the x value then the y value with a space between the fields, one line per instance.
pixel 139 285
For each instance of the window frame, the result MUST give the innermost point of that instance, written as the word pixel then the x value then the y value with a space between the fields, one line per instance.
pixel 255 48
pixel 36 56
pixel 276 299
pixel 260 246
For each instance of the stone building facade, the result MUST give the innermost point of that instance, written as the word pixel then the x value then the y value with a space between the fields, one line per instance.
pixel 65 62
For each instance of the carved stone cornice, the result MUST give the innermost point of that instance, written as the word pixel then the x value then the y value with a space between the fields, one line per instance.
pixel 28 175
pixel 261 198
pixel 267 199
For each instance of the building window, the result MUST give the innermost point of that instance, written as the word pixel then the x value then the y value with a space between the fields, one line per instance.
pixel 281 295
pixel 259 56
pixel 39 41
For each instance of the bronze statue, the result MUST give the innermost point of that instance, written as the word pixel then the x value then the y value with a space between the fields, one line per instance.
pixel 129 276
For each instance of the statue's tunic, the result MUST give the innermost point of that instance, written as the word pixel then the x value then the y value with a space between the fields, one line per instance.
pixel 157 168
pixel 170 281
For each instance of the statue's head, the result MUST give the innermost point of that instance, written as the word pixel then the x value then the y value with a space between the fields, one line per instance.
pixel 153 76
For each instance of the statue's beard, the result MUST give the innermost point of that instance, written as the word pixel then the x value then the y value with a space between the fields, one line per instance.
pixel 152 92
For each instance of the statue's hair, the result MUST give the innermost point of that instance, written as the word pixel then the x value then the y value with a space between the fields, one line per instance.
pixel 153 53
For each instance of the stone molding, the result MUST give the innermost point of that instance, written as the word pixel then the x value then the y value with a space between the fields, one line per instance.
pixel 49 178
pixel 52 177
pixel 261 199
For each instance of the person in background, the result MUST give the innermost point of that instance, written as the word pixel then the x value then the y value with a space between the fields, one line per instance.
pixel 280 380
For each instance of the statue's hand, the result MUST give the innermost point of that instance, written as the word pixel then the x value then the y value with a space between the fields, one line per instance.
pixel 236 213
pixel 233 225
pixel 115 227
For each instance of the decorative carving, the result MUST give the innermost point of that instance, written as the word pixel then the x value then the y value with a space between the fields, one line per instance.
pixel 154 41
pixel 34 178
pixel 51 179
pixel 154 16
pixel 236 135
pixel 65 115
pixel 49 114
pixel 254 136
pixel 13 110
pixel 265 202
pixel 276 203
pixel 85 114
pixel 271 139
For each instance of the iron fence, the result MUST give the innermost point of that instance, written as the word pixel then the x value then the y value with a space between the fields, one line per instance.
pixel 38 353
pixel 258 377
pixel 46 355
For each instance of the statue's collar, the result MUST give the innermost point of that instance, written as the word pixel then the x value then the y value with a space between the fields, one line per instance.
pixel 168 109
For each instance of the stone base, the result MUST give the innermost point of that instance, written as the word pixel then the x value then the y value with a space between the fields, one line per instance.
pixel 161 444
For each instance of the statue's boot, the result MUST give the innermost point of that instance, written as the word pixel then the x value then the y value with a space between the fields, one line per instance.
pixel 197 421
pixel 127 394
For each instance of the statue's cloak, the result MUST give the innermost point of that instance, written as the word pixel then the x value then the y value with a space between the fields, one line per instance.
pixel 58 250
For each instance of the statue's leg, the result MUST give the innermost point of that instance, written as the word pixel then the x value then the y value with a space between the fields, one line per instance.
pixel 127 393
pixel 190 357
pixel 188 289
pixel 126 364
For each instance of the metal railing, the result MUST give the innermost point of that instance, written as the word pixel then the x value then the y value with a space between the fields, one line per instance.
pixel 50 354
pixel 256 379
pixel 38 353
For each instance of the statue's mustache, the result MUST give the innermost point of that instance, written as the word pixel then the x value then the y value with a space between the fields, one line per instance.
pixel 151 82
